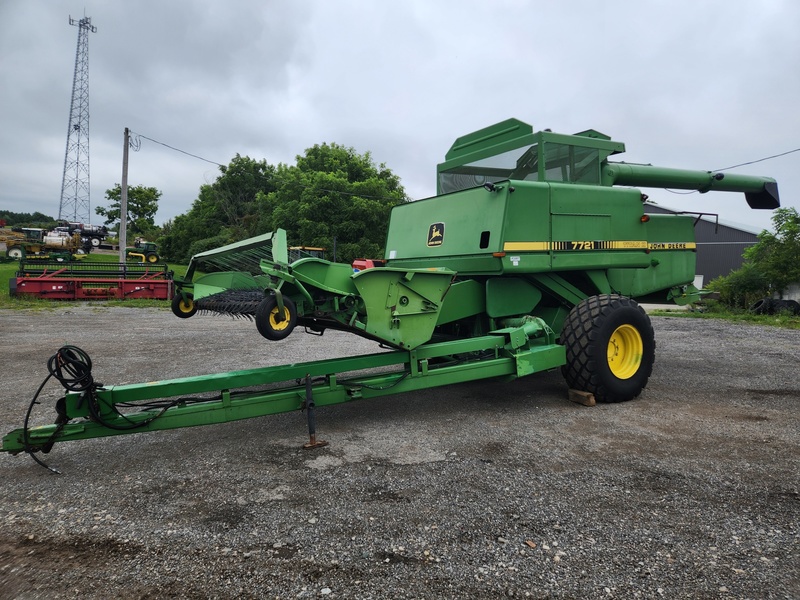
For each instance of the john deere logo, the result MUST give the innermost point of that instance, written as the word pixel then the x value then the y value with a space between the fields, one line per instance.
pixel 436 234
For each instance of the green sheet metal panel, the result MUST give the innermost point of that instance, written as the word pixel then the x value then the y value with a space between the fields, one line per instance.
pixel 671 258
pixel 595 227
pixel 459 231
pixel 526 233
pixel 510 296
pixel 464 299
pixel 335 278
pixel 402 305
pixel 491 140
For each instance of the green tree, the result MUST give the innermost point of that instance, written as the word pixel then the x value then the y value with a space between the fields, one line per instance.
pixel 142 208
pixel 334 195
pixel 770 266
pixel 778 254
pixel 224 211
pixel 741 288
pixel 36 219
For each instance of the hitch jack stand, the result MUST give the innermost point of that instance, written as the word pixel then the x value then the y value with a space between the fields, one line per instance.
pixel 312 422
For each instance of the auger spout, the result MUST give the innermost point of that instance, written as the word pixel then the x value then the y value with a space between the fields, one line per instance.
pixel 760 192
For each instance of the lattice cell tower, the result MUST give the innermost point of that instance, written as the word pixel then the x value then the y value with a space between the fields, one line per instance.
pixel 74 205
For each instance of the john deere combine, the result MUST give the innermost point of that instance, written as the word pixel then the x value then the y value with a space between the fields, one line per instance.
pixel 533 256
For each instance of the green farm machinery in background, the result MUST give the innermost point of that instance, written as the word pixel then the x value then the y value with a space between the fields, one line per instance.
pixel 142 251
pixel 534 256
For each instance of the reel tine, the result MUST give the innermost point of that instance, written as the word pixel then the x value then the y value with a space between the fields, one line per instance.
pixel 236 304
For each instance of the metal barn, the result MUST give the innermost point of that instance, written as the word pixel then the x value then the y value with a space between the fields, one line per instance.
pixel 720 245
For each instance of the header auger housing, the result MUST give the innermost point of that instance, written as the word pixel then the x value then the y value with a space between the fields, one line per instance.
pixel 532 257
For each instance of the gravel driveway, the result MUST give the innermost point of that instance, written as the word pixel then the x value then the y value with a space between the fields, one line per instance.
pixel 478 490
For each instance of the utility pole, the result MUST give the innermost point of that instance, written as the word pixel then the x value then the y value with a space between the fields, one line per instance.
pixel 123 200
pixel 75 205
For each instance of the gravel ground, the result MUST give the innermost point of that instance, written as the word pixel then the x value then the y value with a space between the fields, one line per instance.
pixel 478 490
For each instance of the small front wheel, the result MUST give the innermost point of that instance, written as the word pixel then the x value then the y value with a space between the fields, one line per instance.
pixel 610 348
pixel 269 321
pixel 152 257
pixel 183 308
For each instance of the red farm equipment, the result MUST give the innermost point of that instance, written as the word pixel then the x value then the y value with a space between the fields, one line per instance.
pixel 91 281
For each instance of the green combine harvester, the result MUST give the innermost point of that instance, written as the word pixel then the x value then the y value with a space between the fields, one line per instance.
pixel 534 255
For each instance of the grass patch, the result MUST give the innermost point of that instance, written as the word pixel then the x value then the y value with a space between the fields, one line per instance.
pixel 715 310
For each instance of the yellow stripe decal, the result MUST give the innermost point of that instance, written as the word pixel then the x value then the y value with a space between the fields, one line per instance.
pixel 672 246
pixel 580 245
pixel 526 246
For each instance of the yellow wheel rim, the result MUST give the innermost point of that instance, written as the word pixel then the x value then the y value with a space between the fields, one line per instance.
pixel 186 306
pixel 625 350
pixel 273 319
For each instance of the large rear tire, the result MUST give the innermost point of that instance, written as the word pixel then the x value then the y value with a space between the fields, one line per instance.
pixel 268 322
pixel 16 252
pixel 610 348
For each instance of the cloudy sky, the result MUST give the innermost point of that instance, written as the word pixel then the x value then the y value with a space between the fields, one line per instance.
pixel 684 83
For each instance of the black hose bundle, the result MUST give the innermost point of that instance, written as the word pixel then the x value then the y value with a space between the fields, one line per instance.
pixel 72 367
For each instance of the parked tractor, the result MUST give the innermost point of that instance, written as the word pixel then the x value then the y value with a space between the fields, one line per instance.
pixel 143 251
pixel 535 255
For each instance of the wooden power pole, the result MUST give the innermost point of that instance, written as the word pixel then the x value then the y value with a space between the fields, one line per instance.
pixel 123 200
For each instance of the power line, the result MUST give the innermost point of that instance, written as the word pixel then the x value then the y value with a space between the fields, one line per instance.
pixel 680 193
pixel 138 144
pixel 752 162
